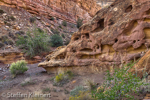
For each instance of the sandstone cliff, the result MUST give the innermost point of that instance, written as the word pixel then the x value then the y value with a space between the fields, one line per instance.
pixel 117 34
pixel 68 10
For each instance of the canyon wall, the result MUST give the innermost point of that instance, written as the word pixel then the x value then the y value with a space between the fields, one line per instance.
pixel 117 34
pixel 68 10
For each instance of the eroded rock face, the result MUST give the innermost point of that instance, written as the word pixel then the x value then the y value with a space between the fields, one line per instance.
pixel 13 56
pixel 141 68
pixel 117 34
pixel 68 10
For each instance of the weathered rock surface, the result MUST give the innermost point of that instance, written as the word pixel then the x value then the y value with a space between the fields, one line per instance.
pixel 68 10
pixel 142 68
pixel 13 56
pixel 117 34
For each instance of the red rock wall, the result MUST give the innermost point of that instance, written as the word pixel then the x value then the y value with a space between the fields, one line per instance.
pixel 68 10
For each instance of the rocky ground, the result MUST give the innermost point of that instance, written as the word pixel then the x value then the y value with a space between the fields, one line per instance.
pixel 14 22
pixel 36 80
pixel 39 80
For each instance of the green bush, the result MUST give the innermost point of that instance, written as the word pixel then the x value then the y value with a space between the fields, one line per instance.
pixel 119 85
pixel 18 68
pixel 56 40
pixel 52 18
pixel 64 76
pixel 12 18
pixel 79 22
pixel 46 90
pixel 63 35
pixel 32 19
pixel 60 26
pixel 1 45
pixel 55 31
pixel 1 11
pixel 76 91
pixel 81 96
pixel 35 43
pixel 64 23
pixel 59 77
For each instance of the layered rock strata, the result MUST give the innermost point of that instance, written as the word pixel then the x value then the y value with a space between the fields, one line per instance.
pixel 68 10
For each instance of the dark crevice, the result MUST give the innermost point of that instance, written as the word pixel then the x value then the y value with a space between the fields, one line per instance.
pixel 87 35
pixel 100 25
pixel 116 40
pixel 87 49
pixel 76 38
pixel 128 9
pixel 110 22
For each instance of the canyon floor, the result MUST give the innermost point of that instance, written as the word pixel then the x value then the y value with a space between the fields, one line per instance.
pixel 36 80
pixel 39 80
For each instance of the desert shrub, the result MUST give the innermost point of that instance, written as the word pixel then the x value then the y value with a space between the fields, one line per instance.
pixel 76 91
pixel 12 18
pixel 56 40
pixel 72 26
pixel 55 31
pixel 79 22
pixel 1 11
pixel 28 82
pixel 18 68
pixel 8 42
pixel 52 18
pixel 64 23
pixel 32 19
pixel 1 45
pixel 35 43
pixel 91 85
pixel 119 85
pixel 59 77
pixel 69 74
pixel 45 90
pixel 40 30
pixel 63 35
pixel 66 75
pixel 19 33
pixel 82 96
pixel 62 78
pixel 60 26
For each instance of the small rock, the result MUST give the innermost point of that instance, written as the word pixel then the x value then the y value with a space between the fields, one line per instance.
pixel 0 69
pixel 74 81
pixel 4 77
pixel 38 18
pixel 4 14
pixel 7 26
pixel 26 80
pixel 58 90
pixel 37 58
pixel 16 27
